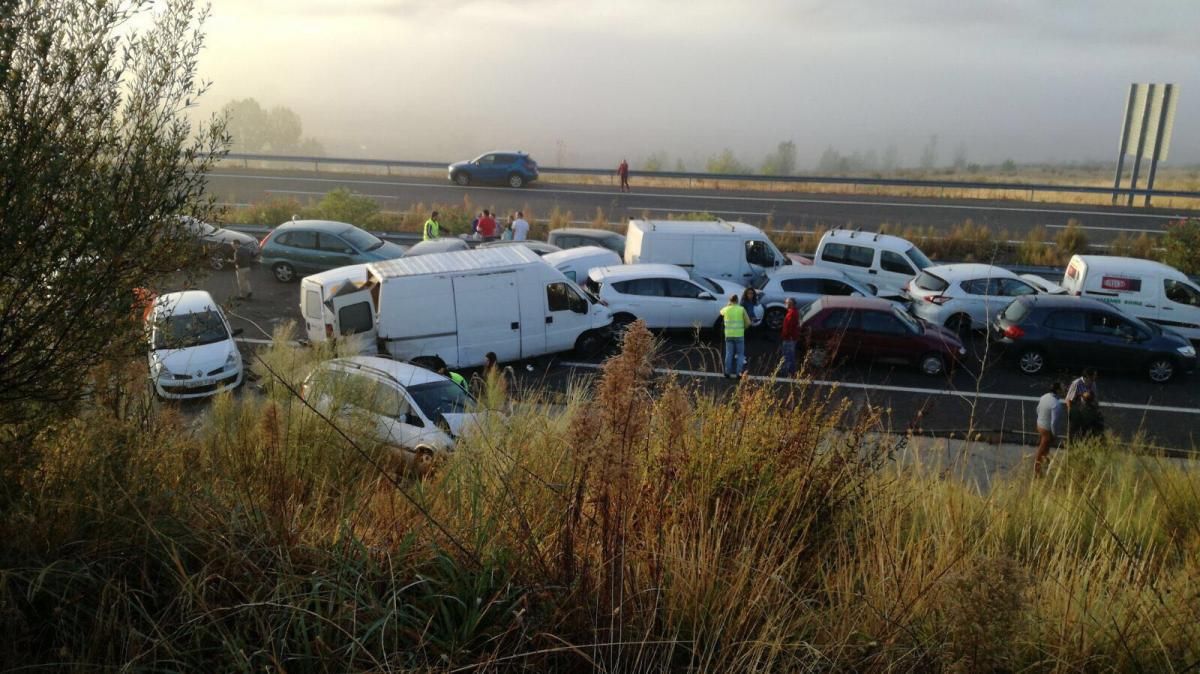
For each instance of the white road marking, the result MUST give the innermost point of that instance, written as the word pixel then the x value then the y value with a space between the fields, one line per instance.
pixel 1110 229
pixel 321 194
pixel 898 389
pixel 707 210
pixel 716 197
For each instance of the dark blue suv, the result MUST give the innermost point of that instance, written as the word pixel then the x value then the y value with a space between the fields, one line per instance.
pixel 515 169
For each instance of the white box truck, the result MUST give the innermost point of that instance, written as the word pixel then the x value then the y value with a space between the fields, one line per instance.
pixel 733 251
pixel 1146 289
pixel 456 306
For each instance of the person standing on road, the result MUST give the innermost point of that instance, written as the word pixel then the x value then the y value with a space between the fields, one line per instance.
pixel 735 319
pixel 1083 385
pixel 623 172
pixel 432 229
pixel 1051 417
pixel 486 226
pixel 789 334
pixel 520 228
pixel 241 269
pixel 750 304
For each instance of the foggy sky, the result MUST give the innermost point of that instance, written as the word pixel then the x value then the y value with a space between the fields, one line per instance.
pixel 446 79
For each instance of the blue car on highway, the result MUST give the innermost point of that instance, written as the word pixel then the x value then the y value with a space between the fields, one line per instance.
pixel 303 247
pixel 515 169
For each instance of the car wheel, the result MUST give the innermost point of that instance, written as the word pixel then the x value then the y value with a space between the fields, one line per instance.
pixel 589 343
pixel 423 460
pixel 960 324
pixel 932 364
pixel 816 357
pixel 515 180
pixel 462 179
pixel 216 262
pixel 1031 361
pixel 284 272
pixel 774 318
pixel 1161 370
pixel 621 323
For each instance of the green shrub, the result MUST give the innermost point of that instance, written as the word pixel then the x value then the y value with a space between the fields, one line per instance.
pixel 343 205
pixel 1181 245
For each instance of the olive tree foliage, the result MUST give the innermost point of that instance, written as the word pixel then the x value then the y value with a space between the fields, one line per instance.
pixel 98 161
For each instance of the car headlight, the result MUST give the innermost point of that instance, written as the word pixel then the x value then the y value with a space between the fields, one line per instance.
pixel 232 359
pixel 962 351
pixel 1187 351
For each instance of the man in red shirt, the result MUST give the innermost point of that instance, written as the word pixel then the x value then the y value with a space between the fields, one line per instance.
pixel 790 334
pixel 623 171
pixel 487 225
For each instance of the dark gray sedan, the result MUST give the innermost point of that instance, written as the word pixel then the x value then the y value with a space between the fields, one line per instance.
pixel 212 243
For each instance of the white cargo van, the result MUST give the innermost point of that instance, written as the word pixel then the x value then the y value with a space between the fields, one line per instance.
pixel 458 306
pixel 881 261
pixel 575 263
pixel 733 251
pixel 1149 290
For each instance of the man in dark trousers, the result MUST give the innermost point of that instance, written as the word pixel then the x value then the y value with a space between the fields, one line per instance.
pixel 623 171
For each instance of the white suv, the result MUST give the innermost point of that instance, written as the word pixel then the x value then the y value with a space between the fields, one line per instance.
pixel 884 261
pixel 662 295
pixel 964 297
pixel 805 284
pixel 418 412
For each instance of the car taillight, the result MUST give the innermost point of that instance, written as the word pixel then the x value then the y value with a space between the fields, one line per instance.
pixel 328 331
pixel 264 239
pixel 937 299
pixel 1014 332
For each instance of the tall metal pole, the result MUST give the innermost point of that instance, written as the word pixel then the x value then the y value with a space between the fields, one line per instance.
pixel 1141 147
pixel 1124 141
pixel 1168 90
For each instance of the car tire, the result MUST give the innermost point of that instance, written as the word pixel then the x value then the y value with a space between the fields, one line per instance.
pixel 773 320
pixel 1161 369
pixel 516 180
pixel 284 272
pixel 423 461
pixel 1031 362
pixel 932 364
pixel 216 262
pixel 589 344
pixel 959 324
pixel 621 323
pixel 462 179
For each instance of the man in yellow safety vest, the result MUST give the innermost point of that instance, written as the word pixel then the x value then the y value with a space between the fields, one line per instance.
pixel 432 229
pixel 736 320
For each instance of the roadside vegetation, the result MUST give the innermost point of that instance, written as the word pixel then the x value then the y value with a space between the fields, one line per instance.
pixel 638 524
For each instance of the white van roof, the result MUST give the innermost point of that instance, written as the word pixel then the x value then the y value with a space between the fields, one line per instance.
pixel 460 261
pixel 873 239
pixel 580 253
pixel 1129 265
pixel 694 226
pixel 356 273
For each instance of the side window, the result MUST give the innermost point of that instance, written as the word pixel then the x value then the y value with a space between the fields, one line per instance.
pixel 312 304
pixel 808 286
pixel 1181 293
pixel 332 244
pixel 644 287
pixel 757 252
pixel 881 324
pixel 1106 324
pixel 841 319
pixel 895 262
pixel 569 273
pixel 562 297
pixel 1074 321
pixel 487 160
pixel 679 288
pixel 355 319
pixel 977 286
pixel 1011 287
pixel 832 287
pixel 387 402
pixel 299 239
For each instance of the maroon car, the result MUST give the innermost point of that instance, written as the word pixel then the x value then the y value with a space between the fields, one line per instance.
pixel 836 327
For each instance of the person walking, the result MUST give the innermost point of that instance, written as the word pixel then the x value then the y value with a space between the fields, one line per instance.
pixel 789 334
pixel 623 172
pixel 486 227
pixel 1051 413
pixel 520 228
pixel 432 229
pixel 735 319
pixel 241 269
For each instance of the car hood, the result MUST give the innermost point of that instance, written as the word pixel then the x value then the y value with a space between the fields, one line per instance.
pixel 728 288
pixel 460 164
pixel 388 251
pixel 194 361
pixel 942 335
pixel 228 235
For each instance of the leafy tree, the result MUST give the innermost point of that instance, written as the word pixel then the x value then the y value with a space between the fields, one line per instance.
pixel 656 162
pixel 343 205
pixel 781 162
pixel 1181 245
pixel 97 162
pixel 278 130
pixel 725 162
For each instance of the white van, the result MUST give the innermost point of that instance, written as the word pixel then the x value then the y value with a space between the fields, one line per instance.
pixel 1149 290
pixel 575 263
pixel 884 262
pixel 733 251
pixel 457 306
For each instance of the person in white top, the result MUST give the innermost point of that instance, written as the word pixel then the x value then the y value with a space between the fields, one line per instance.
pixel 520 228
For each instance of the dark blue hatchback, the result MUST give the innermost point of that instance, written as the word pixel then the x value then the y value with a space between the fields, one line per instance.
pixel 515 169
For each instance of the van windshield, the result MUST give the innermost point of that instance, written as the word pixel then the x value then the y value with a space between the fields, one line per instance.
pixel 183 331
pixel 918 258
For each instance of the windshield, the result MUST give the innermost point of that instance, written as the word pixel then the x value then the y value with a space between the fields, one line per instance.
pixel 183 331
pixel 440 397
pixel 761 282
pixel 705 283
pixel 615 243
pixel 918 258
pixel 908 321
pixel 360 239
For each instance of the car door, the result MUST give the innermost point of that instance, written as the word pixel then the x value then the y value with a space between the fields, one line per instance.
pixel 647 299
pixel 691 305
pixel 392 413
pixel 300 249
pixel 334 251
pixel 882 335
pixel 853 260
pixel 894 271
pixel 1068 341
pixel 976 297
pixel 485 169
pixel 566 316
pixel 1115 341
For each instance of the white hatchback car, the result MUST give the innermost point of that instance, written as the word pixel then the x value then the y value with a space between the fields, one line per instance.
pixel 664 296
pixel 965 297
pixel 418 412
pixel 192 351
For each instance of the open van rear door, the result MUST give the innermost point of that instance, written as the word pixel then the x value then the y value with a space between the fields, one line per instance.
pixel 354 314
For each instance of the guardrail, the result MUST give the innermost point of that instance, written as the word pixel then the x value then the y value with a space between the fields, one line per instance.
pixel 813 179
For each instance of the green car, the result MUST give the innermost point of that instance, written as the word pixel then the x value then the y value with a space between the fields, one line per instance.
pixel 302 247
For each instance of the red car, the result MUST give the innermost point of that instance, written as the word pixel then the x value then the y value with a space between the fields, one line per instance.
pixel 836 327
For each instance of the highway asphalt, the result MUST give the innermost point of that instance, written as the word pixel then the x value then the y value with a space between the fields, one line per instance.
pixel 991 399
pixel 795 209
